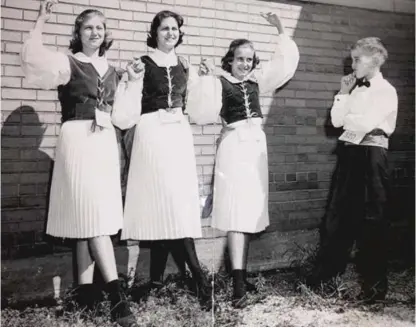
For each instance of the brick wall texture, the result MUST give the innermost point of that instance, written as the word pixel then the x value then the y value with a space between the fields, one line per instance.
pixel 300 140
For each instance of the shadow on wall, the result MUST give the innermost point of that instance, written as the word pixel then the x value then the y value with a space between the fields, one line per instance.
pixel 26 176
pixel 302 142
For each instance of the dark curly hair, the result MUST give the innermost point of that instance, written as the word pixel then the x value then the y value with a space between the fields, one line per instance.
pixel 229 56
pixel 157 20
pixel 75 45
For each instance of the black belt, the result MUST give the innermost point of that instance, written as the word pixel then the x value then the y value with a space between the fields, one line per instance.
pixel 86 111
pixel 377 132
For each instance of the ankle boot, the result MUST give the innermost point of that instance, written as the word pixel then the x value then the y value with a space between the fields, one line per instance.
pixel 120 309
pixel 240 293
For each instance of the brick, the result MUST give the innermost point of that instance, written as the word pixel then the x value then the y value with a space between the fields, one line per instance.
pixel 11 82
pixel 8 93
pixel 58 29
pixel 11 13
pixel 33 201
pixel 33 15
pixel 132 5
pixel 11 36
pixel 47 95
pixel 23 4
pixel 34 178
pixel 13 48
pixel 17 25
pixel 105 3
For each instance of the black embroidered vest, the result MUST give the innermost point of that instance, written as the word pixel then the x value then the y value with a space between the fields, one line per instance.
pixel 239 100
pixel 86 90
pixel 163 87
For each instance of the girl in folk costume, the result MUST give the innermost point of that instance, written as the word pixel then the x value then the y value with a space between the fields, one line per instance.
pixel 162 199
pixel 85 201
pixel 240 204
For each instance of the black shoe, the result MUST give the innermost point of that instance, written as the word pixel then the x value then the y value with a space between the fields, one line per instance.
pixel 251 288
pixel 203 291
pixel 120 310
pixel 240 302
pixel 87 296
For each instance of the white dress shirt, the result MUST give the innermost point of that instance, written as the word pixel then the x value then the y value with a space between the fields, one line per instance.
pixel 366 109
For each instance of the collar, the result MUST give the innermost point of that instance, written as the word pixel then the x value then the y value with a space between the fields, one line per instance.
pixel 164 59
pixel 100 63
pixel 250 77
pixel 376 78
pixel 85 59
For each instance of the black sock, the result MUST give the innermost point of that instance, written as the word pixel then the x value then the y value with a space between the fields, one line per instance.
pixel 158 259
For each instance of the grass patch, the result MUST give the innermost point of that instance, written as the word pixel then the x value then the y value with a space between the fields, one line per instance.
pixel 281 292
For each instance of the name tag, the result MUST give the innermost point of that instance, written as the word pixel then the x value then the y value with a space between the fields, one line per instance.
pixel 352 137
pixel 103 119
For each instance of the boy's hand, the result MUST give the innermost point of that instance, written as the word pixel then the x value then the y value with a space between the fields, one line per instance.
pixel 347 83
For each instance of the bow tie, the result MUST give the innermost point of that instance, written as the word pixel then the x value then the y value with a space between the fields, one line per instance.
pixel 361 82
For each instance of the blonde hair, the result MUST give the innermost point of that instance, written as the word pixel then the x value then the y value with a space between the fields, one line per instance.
pixel 373 47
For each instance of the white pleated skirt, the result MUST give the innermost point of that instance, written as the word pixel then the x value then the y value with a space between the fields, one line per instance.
pixel 162 197
pixel 241 182
pixel 85 198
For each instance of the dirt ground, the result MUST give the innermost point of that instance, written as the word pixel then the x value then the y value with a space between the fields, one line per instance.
pixel 282 301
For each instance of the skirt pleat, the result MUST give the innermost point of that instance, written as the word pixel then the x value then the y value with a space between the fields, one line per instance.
pixel 162 197
pixel 85 198
pixel 241 186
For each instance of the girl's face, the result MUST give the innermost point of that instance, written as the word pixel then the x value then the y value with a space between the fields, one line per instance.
pixel 167 34
pixel 362 64
pixel 242 64
pixel 92 33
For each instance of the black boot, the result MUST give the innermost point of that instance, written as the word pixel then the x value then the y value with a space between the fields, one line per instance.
pixel 203 289
pixel 251 288
pixel 87 296
pixel 120 309
pixel 240 293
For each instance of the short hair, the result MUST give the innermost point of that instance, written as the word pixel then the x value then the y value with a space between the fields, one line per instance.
pixel 229 56
pixel 157 20
pixel 75 45
pixel 373 47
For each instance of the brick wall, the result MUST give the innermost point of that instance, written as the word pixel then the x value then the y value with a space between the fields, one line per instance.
pixel 300 140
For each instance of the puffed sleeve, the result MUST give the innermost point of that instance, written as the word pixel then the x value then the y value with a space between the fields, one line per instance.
pixel 127 106
pixel 281 67
pixel 44 68
pixel 204 100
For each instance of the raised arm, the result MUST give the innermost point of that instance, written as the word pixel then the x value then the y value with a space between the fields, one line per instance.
pixel 340 106
pixel 44 68
pixel 284 62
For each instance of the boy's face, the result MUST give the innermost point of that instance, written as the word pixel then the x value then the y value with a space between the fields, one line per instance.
pixel 363 64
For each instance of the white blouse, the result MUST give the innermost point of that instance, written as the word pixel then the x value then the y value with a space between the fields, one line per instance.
pixel 269 77
pixel 47 69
